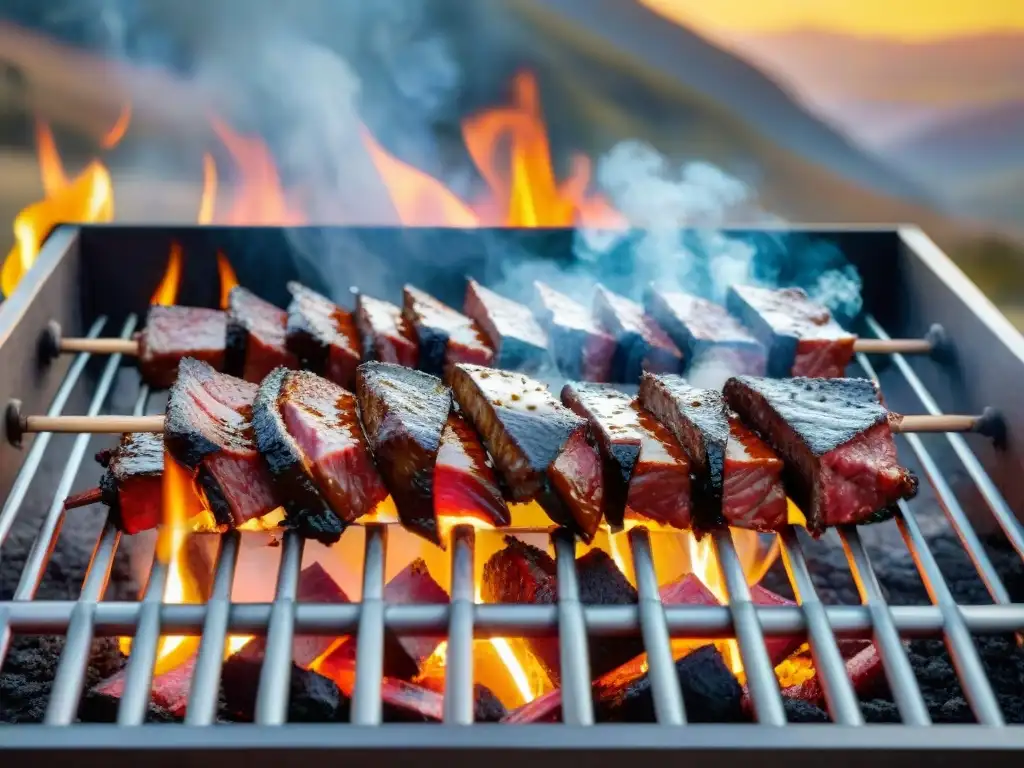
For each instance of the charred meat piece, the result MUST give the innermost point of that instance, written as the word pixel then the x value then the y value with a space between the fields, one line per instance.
pixel 255 337
pixel 541 449
pixel 641 344
pixel 444 335
pixel 464 483
pixel 209 429
pixel 834 434
pixel 172 333
pixel 801 336
pixel 404 413
pixel 307 429
pixel 710 338
pixel 323 336
pixel 518 341
pixel 384 333
pixel 581 349
pixel 646 473
pixel 521 573
pixel 737 478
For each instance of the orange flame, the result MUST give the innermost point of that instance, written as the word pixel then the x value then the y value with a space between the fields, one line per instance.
pixel 118 129
pixel 89 197
pixel 228 278
pixel 166 292
pixel 208 202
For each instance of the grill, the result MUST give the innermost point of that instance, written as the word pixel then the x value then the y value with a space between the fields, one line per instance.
pixel 96 281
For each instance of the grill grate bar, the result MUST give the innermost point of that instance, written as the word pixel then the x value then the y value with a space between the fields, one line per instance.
pixel 275 675
pixel 22 483
pixel 141 661
pixel 367 707
pixel 668 699
pixel 204 690
pixel 574 657
pixel 761 680
pixel 965 656
pixel 458 682
pixel 1007 520
pixel 69 679
pixel 950 504
pixel 906 693
pixel 828 662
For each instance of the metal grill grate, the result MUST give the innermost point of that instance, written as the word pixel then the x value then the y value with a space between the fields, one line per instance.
pixel 462 620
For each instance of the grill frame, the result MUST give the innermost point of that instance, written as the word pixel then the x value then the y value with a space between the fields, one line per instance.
pixel 66 280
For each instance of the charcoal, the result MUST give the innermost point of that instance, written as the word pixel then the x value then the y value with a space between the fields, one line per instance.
pixel 404 413
pixel 173 333
pixel 518 341
pixel 581 350
pixel 323 336
pixel 414 584
pixel 384 334
pixel 641 344
pixel 312 698
pixel 444 336
pixel 840 458
pixel 256 337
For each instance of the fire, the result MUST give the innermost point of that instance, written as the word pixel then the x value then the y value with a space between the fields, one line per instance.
pixel 166 292
pixel 228 278
pixel 118 129
pixel 208 201
pixel 89 197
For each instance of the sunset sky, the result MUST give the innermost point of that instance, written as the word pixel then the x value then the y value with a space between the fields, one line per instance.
pixel 903 19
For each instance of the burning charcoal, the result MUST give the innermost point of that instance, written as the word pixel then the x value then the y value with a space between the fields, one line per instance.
pixel 581 349
pixel 312 698
pixel 518 341
pixel 384 334
pixel 641 344
pixel 541 449
pixel 445 336
pixel 706 333
pixel 169 696
pixel 801 336
pixel 323 336
pixel 255 337
pixel 464 483
pixel 308 431
pixel 404 413
pixel 132 486
pixel 209 429
pixel 841 463
pixel 646 473
pixel 863 667
pixel 172 333
pixel 415 585
pixel 521 573
pixel 737 477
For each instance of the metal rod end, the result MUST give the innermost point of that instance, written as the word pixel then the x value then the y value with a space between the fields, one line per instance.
pixel 991 424
pixel 49 342
pixel 14 422
pixel 942 345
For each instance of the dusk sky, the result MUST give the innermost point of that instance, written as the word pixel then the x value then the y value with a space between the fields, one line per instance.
pixel 903 19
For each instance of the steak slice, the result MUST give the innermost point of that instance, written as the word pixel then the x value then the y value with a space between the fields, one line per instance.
pixel 641 344
pixel 444 336
pixel 385 335
pixel 707 334
pixel 172 333
pixel 581 349
pixel 255 337
pixel 323 336
pixel 541 450
pixel 404 413
pixel 737 478
pixel 801 336
pixel 307 429
pixel 464 483
pixel 209 429
pixel 841 463
pixel 518 341
pixel 646 473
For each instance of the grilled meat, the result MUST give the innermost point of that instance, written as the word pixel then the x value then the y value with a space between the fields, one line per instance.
pixel 834 434
pixel 646 473
pixel 736 476
pixel 712 340
pixel 801 336
pixel 307 429
pixel 444 335
pixel 172 333
pixel 323 336
pixel 641 344
pixel 518 341
pixel 404 413
pixel 541 450
pixel 209 429
pixel 383 332
pixel 255 337
pixel 581 349
pixel 464 483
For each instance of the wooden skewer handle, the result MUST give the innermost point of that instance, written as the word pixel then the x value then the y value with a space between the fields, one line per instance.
pixel 893 346
pixel 100 346
pixel 935 423
pixel 92 424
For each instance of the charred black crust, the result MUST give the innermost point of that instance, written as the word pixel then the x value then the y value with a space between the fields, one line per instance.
pixel 305 507
pixel 235 341
pixel 301 338
pixel 433 347
pixel 567 346
pixel 519 354
pixel 185 443
pixel 618 465
pixel 110 496
pixel 780 348
pixel 214 495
